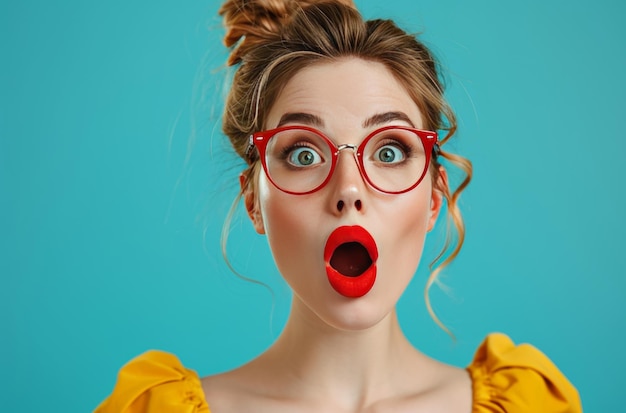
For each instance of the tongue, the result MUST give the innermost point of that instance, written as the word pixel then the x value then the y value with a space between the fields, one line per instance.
pixel 351 259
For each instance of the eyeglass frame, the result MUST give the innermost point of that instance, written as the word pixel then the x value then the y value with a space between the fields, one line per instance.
pixel 260 140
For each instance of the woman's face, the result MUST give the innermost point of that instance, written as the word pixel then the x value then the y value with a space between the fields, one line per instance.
pixel 345 100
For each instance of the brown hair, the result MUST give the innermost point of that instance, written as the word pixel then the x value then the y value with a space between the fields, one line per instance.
pixel 271 40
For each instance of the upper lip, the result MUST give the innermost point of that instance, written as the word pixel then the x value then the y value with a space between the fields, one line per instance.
pixel 350 233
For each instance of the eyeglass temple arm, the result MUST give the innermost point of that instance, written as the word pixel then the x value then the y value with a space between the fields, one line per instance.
pixel 250 148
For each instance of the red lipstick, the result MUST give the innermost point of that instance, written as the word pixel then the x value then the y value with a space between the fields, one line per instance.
pixel 350 256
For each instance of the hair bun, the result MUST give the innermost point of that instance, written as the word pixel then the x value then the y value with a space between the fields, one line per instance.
pixel 252 22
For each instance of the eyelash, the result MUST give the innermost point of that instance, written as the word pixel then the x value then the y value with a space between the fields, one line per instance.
pixel 284 153
pixel 406 149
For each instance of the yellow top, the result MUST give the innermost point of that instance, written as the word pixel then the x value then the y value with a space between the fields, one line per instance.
pixel 506 379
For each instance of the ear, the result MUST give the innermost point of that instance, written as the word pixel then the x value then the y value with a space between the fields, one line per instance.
pixel 437 197
pixel 252 204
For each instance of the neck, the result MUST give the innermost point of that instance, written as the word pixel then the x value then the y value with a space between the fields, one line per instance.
pixel 351 367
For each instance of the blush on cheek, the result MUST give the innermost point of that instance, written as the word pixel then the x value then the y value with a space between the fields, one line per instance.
pixel 407 254
pixel 294 238
pixel 397 269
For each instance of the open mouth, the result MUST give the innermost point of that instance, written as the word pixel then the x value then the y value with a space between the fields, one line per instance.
pixel 351 259
pixel 350 256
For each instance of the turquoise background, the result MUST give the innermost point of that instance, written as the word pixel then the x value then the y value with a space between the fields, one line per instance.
pixel 114 183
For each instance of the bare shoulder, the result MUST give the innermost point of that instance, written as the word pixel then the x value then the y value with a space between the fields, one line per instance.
pixel 225 391
pixel 446 389
pixel 242 389
pixel 451 378
pixel 454 392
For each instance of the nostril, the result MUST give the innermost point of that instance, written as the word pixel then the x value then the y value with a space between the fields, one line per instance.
pixel 357 204
pixel 340 205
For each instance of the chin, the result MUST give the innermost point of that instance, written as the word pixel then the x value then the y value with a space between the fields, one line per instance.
pixel 348 314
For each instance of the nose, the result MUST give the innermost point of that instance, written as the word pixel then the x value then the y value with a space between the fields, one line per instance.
pixel 348 185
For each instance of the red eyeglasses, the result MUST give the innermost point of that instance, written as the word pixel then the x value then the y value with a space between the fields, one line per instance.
pixel 300 160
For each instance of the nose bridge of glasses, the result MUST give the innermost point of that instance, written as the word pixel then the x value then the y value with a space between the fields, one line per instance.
pixel 346 146
pixel 355 156
pixel 355 152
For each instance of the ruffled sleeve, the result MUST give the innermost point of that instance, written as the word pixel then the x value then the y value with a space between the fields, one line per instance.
pixel 516 379
pixel 155 382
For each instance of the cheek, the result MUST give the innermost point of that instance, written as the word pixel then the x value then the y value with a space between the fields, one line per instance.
pixel 282 218
pixel 292 233
pixel 402 241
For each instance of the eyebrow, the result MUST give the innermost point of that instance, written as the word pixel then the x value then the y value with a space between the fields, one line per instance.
pixel 314 120
pixel 386 117
pixel 301 117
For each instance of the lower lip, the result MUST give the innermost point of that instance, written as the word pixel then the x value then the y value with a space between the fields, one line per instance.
pixel 352 287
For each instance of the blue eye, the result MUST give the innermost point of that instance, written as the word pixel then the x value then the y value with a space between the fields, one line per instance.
pixel 389 154
pixel 304 156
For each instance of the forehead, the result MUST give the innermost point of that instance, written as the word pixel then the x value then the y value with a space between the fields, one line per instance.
pixel 344 93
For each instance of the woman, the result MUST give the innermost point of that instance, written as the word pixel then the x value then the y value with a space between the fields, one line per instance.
pixel 336 118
